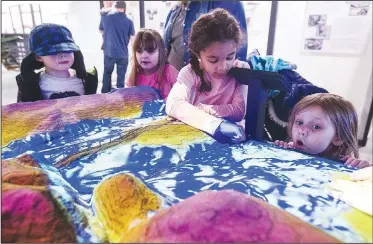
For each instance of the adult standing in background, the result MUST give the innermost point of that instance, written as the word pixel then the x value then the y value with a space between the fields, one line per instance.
pixel 108 6
pixel 118 30
pixel 179 23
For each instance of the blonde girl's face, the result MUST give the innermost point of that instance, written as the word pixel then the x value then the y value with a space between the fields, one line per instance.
pixel 148 60
pixel 313 131
pixel 218 58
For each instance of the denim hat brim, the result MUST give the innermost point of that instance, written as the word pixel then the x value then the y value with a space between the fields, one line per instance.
pixel 58 48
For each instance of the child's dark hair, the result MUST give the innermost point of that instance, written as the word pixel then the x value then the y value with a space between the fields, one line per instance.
pixel 121 4
pixel 343 116
pixel 216 26
pixel 148 40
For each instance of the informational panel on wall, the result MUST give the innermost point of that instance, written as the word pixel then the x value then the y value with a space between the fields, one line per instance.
pixel 340 27
pixel 156 14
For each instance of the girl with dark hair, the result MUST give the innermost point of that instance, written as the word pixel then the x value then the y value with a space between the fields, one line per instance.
pixel 205 96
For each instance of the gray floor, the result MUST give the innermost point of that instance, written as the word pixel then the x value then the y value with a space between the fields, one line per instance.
pixel 8 87
pixel 9 95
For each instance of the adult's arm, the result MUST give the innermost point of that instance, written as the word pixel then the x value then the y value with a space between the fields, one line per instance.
pixel 165 30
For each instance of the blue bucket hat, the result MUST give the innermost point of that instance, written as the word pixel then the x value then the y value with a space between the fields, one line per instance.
pixel 50 39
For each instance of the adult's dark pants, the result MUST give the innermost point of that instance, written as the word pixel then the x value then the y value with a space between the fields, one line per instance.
pixel 109 63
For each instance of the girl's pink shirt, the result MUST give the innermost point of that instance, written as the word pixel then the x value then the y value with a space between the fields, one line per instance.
pixel 169 72
pixel 205 111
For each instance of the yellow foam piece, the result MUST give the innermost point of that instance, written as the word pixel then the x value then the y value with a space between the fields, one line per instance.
pixel 93 223
pixel 122 201
pixel 135 233
pixel 43 117
pixel 17 125
pixel 171 134
pixel 340 176
pixel 361 222
pixel 356 190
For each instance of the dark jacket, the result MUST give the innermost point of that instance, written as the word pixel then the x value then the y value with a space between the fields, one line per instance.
pixel 297 88
pixel 28 81
pixel 195 9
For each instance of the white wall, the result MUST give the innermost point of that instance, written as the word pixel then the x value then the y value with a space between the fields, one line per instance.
pixel 52 12
pixel 257 15
pixel 346 76
pixel 83 22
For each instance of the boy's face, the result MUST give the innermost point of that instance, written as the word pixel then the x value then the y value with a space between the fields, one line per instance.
pixel 60 61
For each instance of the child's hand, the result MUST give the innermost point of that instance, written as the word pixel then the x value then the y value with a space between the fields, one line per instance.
pixel 284 144
pixel 354 162
pixel 233 131
pixel 204 107
pixel 240 64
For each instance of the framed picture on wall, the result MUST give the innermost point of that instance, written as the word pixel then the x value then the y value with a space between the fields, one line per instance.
pixel 330 32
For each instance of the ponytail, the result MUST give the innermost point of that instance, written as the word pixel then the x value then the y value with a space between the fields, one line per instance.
pixel 205 84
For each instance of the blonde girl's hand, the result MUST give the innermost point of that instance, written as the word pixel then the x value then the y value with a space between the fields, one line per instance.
pixel 240 64
pixel 354 162
pixel 284 144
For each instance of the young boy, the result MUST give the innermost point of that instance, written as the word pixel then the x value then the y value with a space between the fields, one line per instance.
pixel 53 48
